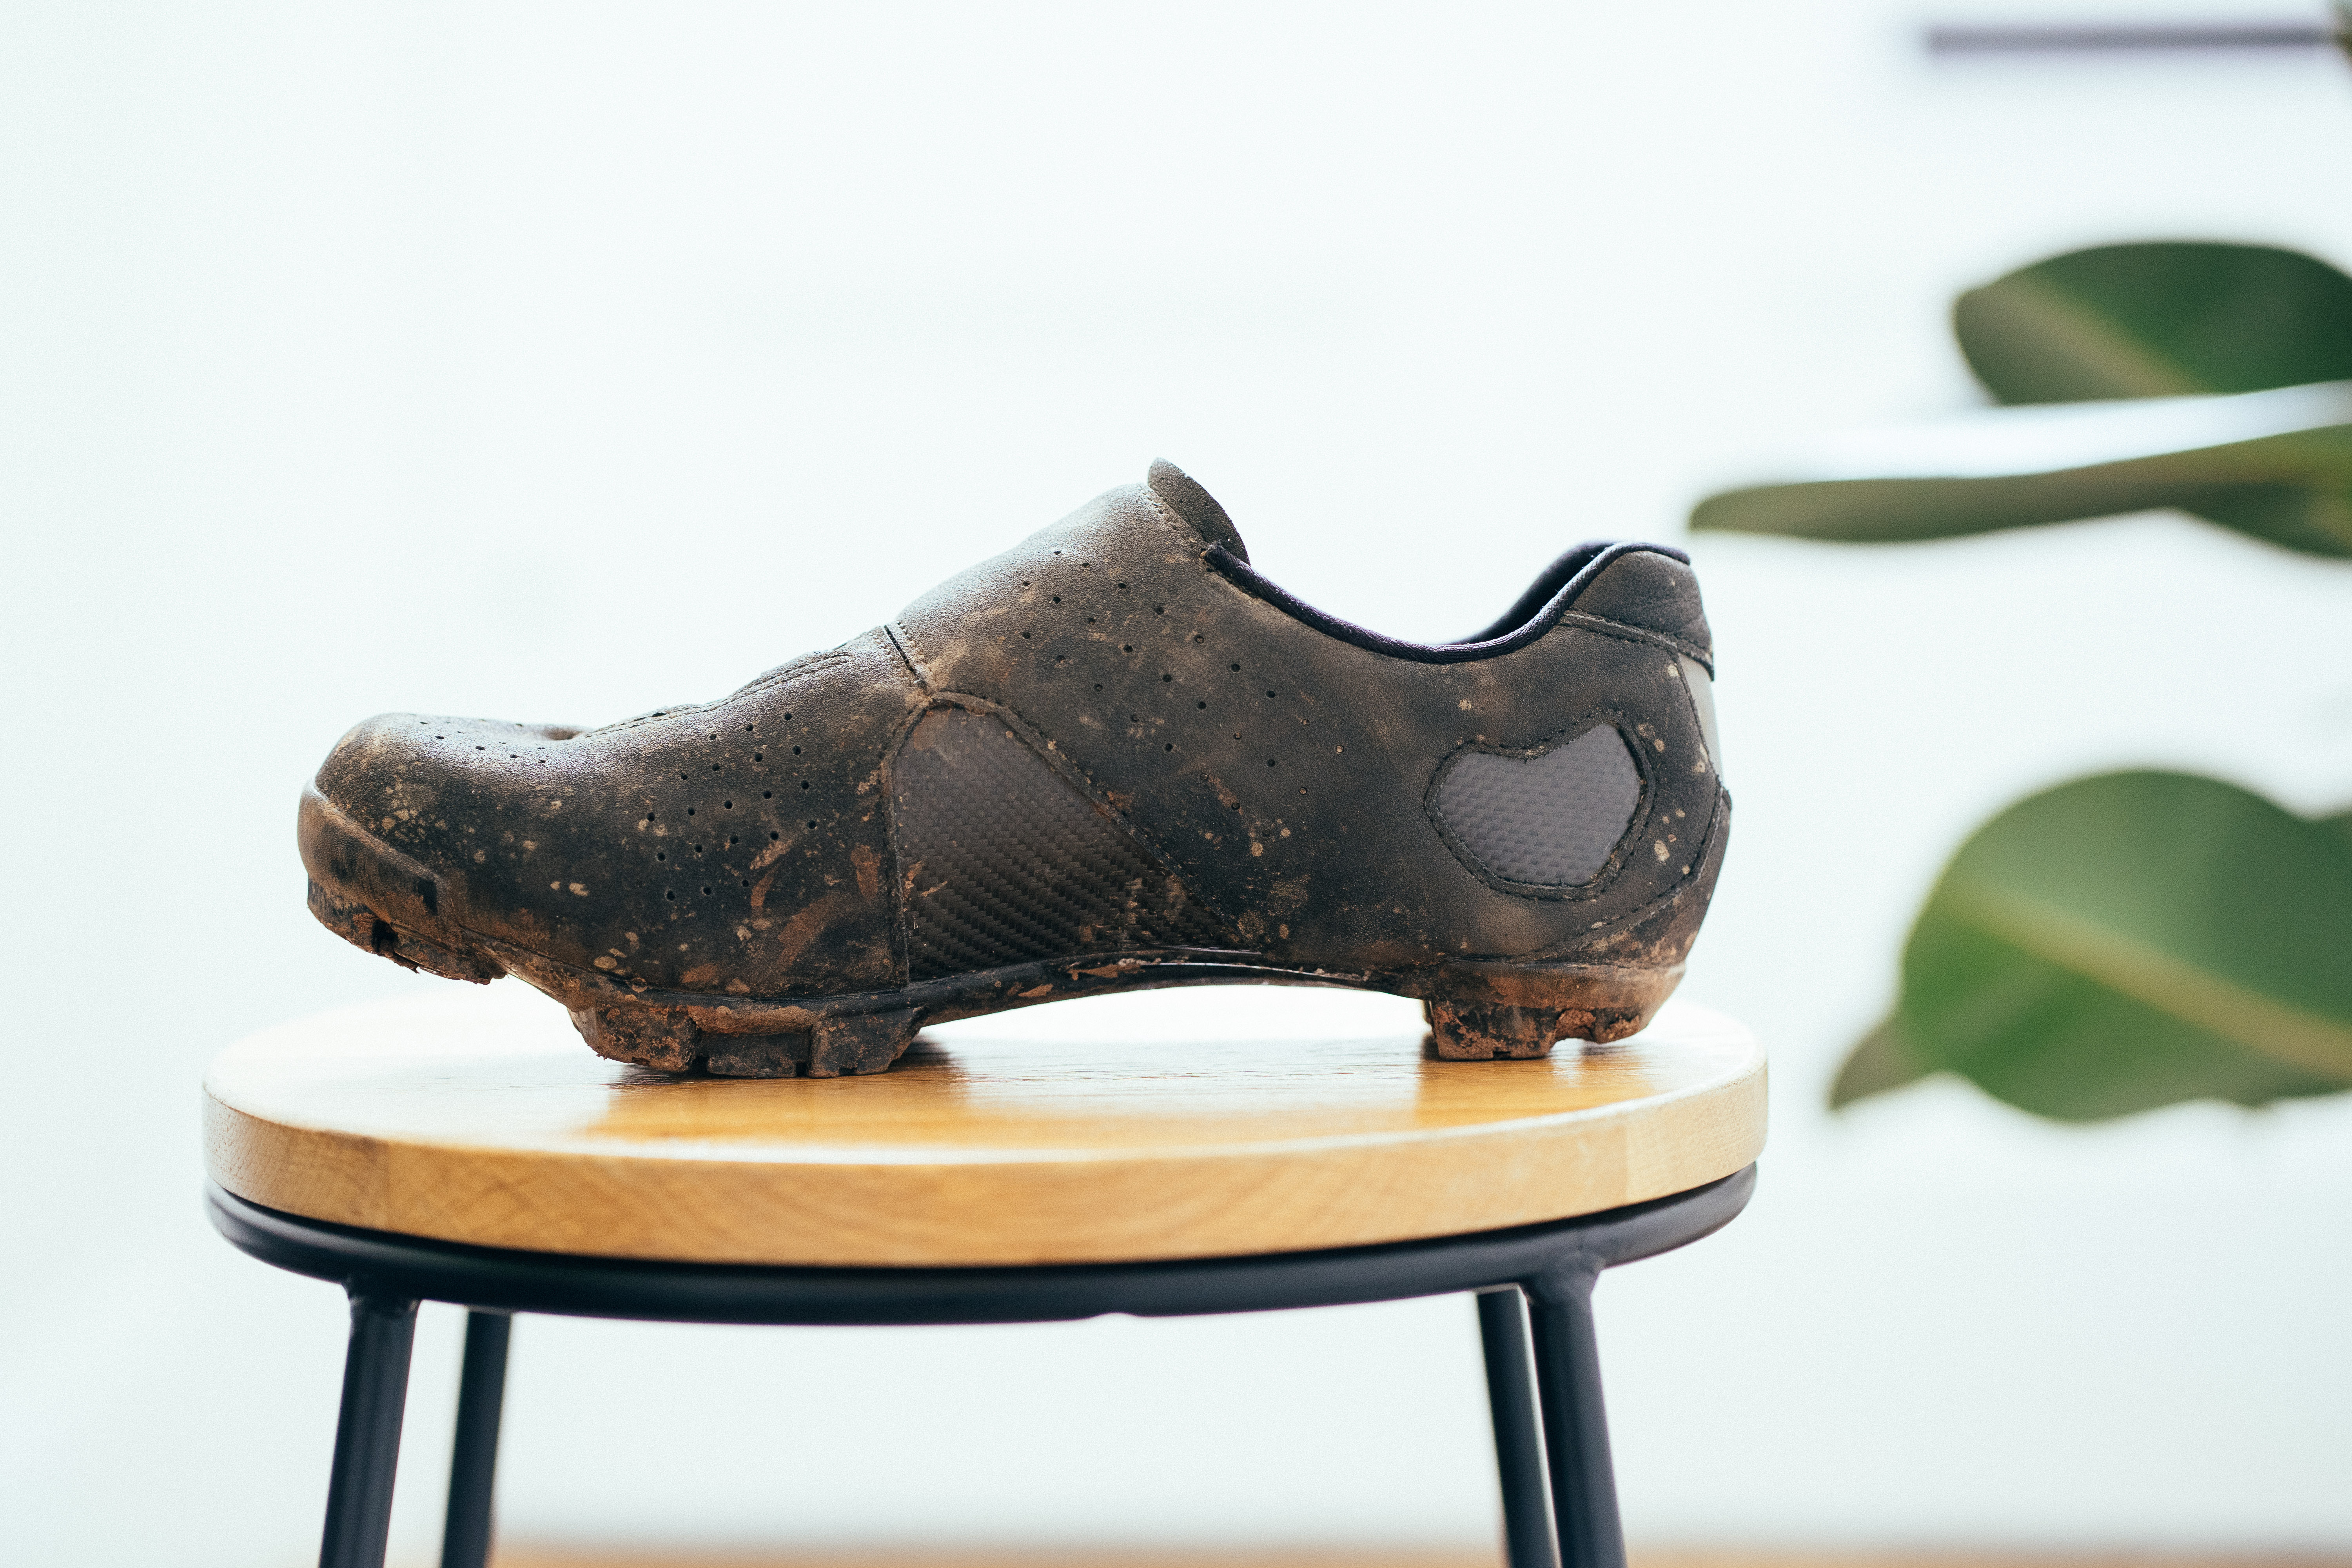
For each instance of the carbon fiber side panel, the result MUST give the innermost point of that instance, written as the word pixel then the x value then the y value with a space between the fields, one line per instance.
pixel 1006 862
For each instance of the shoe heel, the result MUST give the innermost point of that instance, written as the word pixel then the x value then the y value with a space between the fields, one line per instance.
pixel 1480 1012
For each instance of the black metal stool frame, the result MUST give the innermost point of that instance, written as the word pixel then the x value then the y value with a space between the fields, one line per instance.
pixel 1551 1432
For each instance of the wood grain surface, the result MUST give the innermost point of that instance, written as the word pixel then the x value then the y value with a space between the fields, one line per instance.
pixel 468 1119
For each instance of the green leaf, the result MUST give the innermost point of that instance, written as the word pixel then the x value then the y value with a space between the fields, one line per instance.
pixel 2177 322
pixel 2275 464
pixel 2341 821
pixel 2133 940
pixel 1882 1059
pixel 2158 320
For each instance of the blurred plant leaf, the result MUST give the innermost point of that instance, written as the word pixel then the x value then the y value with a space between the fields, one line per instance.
pixel 2276 465
pixel 2155 320
pixel 2127 941
pixel 2238 353
pixel 1881 1061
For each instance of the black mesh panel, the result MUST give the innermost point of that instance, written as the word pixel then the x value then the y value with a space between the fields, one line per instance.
pixel 1549 820
pixel 1006 862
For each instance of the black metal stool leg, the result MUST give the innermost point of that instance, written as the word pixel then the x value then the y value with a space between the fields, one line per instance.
pixel 473 1465
pixel 1576 1426
pixel 367 1435
pixel 1518 1450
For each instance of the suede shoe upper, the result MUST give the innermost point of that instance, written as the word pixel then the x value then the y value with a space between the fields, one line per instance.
pixel 1153 747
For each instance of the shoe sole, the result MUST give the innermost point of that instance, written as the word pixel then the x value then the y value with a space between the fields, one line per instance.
pixel 376 897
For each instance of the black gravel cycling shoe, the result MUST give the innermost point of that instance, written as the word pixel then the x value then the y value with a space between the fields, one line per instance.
pixel 1112 757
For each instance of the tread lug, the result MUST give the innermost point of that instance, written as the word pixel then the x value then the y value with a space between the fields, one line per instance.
pixel 1483 1031
pixel 662 1037
pixel 860 1043
pixel 757 1056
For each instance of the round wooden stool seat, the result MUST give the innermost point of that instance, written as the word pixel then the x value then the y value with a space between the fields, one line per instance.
pixel 469 1119
pixel 981 1180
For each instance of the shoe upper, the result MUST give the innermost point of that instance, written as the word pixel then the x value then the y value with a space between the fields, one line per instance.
pixel 1114 737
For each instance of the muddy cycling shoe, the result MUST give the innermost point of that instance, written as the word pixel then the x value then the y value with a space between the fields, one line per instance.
pixel 1114 756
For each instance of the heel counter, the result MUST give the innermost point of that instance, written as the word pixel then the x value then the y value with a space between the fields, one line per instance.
pixel 1659 592
pixel 1648 588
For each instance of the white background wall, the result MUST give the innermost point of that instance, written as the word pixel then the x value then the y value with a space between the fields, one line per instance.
pixel 558 362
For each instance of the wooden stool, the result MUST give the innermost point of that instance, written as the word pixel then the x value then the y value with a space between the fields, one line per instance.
pixel 479 1155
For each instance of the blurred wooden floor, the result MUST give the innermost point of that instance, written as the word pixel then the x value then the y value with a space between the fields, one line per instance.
pixel 1074 1557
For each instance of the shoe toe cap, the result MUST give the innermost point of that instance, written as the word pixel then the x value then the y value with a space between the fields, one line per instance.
pixel 402 769
pixel 442 792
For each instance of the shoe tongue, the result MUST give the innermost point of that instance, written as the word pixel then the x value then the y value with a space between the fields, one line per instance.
pixel 1185 498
